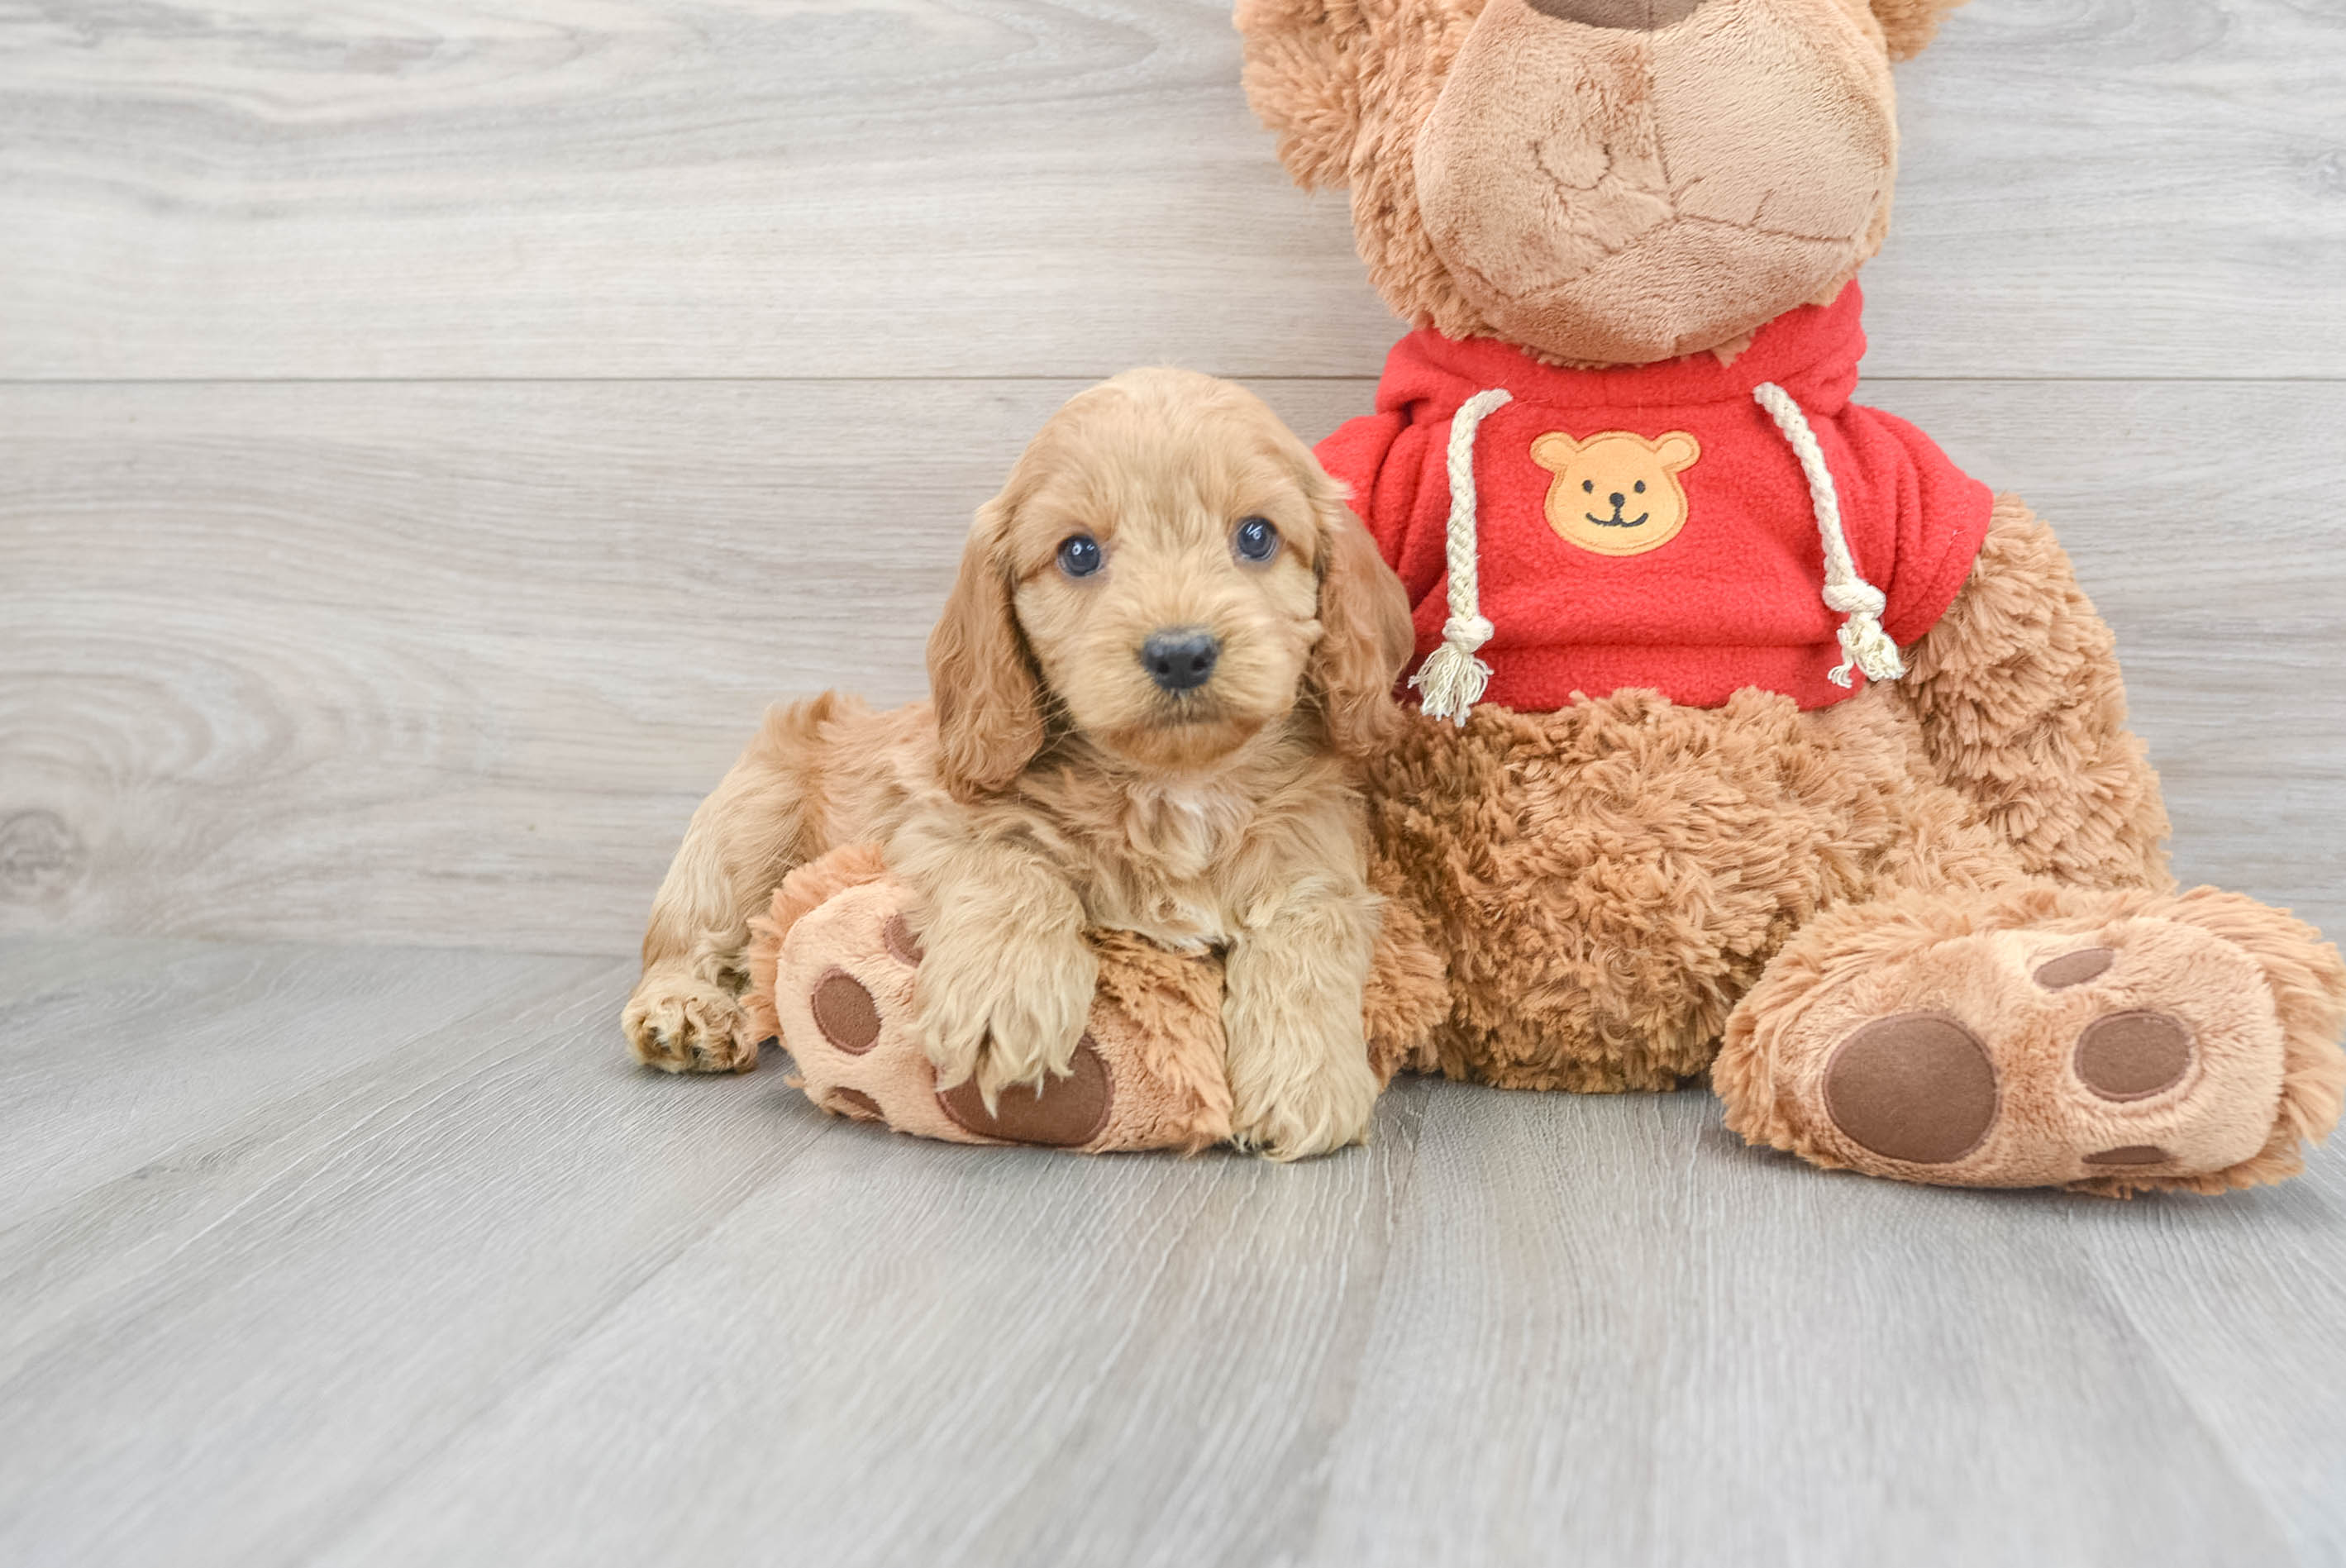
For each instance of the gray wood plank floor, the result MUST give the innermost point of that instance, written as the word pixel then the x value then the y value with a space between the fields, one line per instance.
pixel 383 1256
pixel 429 434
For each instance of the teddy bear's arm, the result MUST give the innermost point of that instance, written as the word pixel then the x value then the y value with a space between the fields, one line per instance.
pixel 2023 707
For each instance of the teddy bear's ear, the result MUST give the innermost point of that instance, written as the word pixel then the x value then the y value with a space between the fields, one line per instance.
pixel 1907 25
pixel 1679 450
pixel 1555 451
pixel 1302 79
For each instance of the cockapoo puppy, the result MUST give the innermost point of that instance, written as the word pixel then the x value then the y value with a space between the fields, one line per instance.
pixel 1168 637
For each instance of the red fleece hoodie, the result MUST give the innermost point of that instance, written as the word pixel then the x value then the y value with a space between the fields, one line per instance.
pixel 1704 576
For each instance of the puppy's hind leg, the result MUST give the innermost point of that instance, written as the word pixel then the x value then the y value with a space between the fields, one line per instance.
pixel 764 818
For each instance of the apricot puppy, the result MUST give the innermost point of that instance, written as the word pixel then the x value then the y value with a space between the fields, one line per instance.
pixel 1168 637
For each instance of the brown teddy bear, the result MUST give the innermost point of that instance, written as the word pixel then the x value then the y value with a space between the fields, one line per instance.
pixel 1756 738
pixel 1805 762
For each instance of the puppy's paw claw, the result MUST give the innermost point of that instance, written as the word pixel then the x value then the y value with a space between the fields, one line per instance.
pixel 1314 1115
pixel 990 1025
pixel 683 1025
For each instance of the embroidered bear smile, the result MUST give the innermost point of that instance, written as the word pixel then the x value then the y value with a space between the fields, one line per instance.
pixel 1618 520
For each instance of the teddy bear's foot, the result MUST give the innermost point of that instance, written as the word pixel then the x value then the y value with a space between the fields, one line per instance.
pixel 2108 1042
pixel 837 978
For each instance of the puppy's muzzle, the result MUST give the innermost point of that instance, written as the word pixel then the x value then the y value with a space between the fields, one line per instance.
pixel 1181 658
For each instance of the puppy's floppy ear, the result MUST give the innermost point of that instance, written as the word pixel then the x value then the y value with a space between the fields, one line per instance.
pixel 1908 24
pixel 981 677
pixel 1366 636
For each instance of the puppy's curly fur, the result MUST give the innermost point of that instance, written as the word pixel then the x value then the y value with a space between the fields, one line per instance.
pixel 1054 785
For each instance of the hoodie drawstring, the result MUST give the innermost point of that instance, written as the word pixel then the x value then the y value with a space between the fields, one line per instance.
pixel 1863 643
pixel 1452 680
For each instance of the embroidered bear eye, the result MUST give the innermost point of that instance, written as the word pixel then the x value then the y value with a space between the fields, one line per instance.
pixel 1079 555
pixel 1641 487
pixel 1257 539
pixel 1589 485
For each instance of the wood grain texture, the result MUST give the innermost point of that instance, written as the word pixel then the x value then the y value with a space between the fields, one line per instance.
pixel 1056 187
pixel 192 1035
pixel 1784 1367
pixel 452 664
pixel 2182 1274
pixel 482 1293
pixel 213 1357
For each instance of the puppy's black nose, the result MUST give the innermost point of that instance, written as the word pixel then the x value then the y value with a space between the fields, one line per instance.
pixel 1181 658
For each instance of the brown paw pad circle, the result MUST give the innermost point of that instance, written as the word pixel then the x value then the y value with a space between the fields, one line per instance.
pixel 1068 1112
pixel 854 1104
pixel 2076 968
pixel 2133 1055
pixel 845 1012
pixel 897 934
pixel 2132 1154
pixel 1917 1087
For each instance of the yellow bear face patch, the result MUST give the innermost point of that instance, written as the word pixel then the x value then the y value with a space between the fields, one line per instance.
pixel 1617 494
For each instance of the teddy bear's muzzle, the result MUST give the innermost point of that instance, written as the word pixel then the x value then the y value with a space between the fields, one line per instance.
pixel 1622 181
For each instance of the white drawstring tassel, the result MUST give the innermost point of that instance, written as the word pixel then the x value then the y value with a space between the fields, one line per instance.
pixel 1863 643
pixel 1452 680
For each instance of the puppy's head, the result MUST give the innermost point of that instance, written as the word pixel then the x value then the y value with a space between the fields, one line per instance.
pixel 1169 572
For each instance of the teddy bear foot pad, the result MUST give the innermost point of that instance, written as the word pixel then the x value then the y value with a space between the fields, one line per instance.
pixel 2141 1051
pixel 1921 1088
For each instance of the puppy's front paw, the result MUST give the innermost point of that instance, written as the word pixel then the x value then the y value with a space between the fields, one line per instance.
pixel 1295 1109
pixel 680 1024
pixel 1006 1014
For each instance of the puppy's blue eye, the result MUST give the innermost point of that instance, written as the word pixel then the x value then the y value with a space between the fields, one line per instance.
pixel 1079 555
pixel 1257 539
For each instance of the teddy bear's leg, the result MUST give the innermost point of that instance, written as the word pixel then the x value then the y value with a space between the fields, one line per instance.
pixel 2022 707
pixel 2025 1002
pixel 833 971
pixel 1602 884
pixel 2042 1036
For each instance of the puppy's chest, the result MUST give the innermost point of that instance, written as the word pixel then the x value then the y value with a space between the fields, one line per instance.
pixel 1164 875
